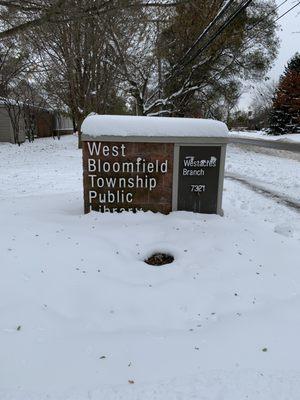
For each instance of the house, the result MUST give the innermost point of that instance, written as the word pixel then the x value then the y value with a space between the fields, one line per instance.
pixel 63 124
pixel 18 122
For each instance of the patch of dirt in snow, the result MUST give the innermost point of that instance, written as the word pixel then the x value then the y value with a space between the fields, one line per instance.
pixel 159 259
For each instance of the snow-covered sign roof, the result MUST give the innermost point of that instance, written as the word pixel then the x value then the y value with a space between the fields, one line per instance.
pixel 125 125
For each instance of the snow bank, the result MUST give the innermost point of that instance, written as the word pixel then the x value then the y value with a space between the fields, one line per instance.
pixel 124 125
pixel 84 318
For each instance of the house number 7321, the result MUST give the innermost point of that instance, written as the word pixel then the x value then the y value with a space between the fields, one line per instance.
pixel 198 188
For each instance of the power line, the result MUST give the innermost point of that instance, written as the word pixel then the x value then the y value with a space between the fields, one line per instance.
pixel 222 28
pixel 175 67
pixel 266 16
pixel 270 13
pixel 206 30
pixel 226 23
pixel 277 19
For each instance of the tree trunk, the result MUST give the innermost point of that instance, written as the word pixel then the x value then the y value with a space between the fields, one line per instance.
pixel 79 123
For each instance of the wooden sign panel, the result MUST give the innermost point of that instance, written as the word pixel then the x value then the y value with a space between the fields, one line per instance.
pixel 198 181
pixel 127 176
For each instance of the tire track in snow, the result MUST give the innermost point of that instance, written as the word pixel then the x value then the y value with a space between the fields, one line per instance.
pixel 267 192
pixel 279 144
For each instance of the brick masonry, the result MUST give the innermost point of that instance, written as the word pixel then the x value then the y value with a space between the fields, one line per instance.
pixel 158 198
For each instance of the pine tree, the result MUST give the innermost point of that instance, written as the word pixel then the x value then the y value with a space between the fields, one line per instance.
pixel 285 115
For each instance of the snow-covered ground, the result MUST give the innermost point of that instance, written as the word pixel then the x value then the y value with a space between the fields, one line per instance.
pixel 276 170
pixel 293 137
pixel 83 317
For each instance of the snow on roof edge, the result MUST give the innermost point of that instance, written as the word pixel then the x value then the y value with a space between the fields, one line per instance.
pixel 126 125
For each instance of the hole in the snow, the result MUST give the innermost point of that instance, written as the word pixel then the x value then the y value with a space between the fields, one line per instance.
pixel 159 259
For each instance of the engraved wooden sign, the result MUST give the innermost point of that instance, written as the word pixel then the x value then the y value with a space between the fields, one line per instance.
pixel 129 176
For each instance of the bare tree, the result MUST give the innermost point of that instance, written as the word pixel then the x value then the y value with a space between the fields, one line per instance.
pixel 15 66
pixel 166 57
pixel 19 16
pixel 263 95
pixel 76 66
pixel 167 72
pixel 262 101
pixel 35 108
pixel 132 40
pixel 15 113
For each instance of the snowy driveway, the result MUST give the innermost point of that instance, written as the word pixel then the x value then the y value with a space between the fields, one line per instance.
pixel 277 171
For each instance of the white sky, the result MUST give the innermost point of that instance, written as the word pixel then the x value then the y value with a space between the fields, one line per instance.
pixel 289 44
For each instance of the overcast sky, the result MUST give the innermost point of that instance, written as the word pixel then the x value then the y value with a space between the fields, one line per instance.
pixel 289 44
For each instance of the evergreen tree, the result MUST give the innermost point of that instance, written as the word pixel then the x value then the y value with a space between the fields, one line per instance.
pixel 285 115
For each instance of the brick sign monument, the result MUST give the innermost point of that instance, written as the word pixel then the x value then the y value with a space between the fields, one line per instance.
pixel 150 163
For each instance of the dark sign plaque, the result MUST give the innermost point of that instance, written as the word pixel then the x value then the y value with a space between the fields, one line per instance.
pixel 198 180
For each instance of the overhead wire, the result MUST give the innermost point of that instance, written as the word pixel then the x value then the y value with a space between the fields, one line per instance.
pixel 221 29
pixel 281 16
pixel 206 30
pixel 270 13
pixel 266 16
pixel 225 24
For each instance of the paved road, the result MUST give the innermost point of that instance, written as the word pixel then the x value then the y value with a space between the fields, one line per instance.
pixel 271 144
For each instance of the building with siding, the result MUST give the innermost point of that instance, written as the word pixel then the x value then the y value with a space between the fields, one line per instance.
pixel 32 122
pixel 6 128
pixel 63 124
